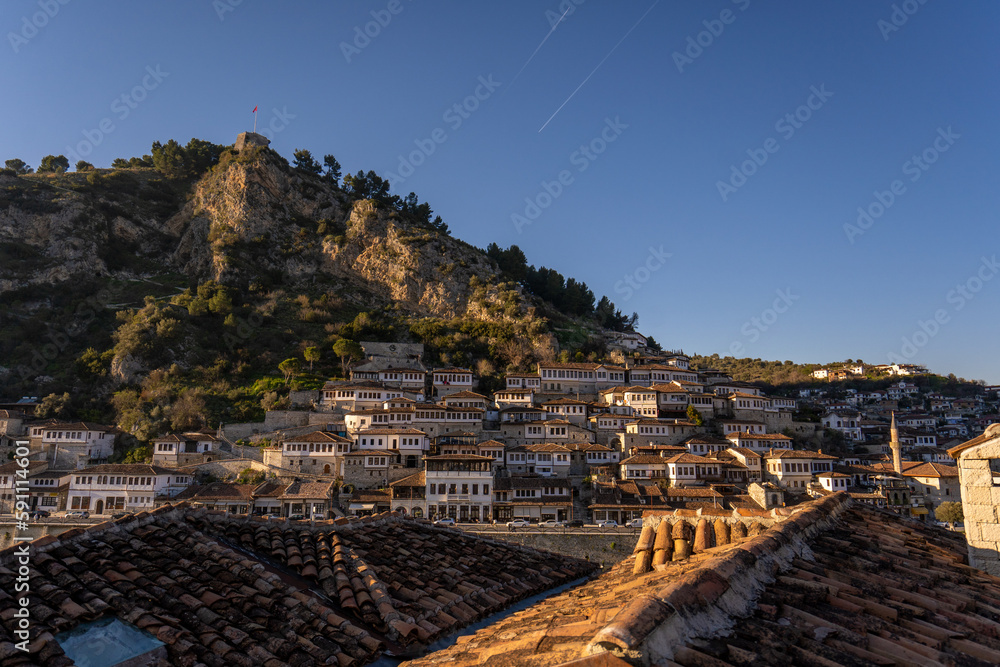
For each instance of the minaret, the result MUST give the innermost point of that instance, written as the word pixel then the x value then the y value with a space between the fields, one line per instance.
pixel 897 463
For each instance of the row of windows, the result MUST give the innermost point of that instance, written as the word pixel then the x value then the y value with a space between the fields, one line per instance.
pixel 789 467
pixel 320 448
pixel 566 409
pixel 662 430
pixel 531 456
pixel 106 479
pixel 116 503
pixel 452 377
pixel 64 435
pixel 453 489
pixel 392 417
pixel 440 416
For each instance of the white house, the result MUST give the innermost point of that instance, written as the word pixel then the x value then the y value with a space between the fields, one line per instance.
pixel 458 486
pixel 174 450
pixel 71 445
pixel 579 377
pixel 573 411
pixel 135 487
pixel 794 469
pixel 316 453
pixel 466 399
pixel 848 423
pixel 362 395
pixel 445 381
pixel 546 459
pixel 834 481
pixel 514 398
pixel 760 442
pixel 412 379
pixel 523 381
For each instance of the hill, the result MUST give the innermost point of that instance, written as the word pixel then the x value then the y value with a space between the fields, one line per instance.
pixel 787 377
pixel 166 292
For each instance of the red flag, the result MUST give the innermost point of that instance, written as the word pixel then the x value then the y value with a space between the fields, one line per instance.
pixel 254 110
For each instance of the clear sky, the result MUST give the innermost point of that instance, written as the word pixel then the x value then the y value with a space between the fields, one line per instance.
pixel 701 163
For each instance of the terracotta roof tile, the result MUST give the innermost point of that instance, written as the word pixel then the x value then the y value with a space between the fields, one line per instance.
pixel 229 590
pixel 870 589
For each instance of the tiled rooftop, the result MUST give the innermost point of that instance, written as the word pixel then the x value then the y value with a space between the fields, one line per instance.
pixel 223 590
pixel 834 583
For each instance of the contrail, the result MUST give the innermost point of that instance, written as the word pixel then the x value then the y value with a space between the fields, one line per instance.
pixel 599 65
pixel 537 49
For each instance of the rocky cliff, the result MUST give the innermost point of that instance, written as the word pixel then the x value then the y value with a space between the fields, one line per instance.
pixel 251 221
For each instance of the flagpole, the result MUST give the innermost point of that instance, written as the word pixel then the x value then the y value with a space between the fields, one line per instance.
pixel 255 120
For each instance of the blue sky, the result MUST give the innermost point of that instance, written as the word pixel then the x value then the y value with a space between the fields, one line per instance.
pixel 820 108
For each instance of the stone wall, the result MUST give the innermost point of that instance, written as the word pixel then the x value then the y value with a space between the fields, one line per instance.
pixel 279 419
pixel 227 468
pixel 604 549
pixel 363 478
pixel 981 504
pixel 804 429
pixel 303 398
pixel 240 431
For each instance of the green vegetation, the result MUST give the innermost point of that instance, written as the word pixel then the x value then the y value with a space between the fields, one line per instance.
pixel 949 512
pixel 568 296
pixel 694 416
pixel 250 476
pixel 347 350
pixel 53 164
pixel 18 166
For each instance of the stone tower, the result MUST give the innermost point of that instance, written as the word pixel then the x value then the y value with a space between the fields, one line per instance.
pixel 250 139
pixel 897 462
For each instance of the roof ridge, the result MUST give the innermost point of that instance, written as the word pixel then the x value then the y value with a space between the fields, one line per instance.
pixel 660 621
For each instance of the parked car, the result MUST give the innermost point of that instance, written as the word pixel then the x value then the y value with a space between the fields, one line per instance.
pixel 576 523
pixel 447 521
pixel 78 514
pixel 518 523
pixel 119 514
pixel 552 523
pixel 607 523
pixel 634 523
pixel 40 514
pixel 296 517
